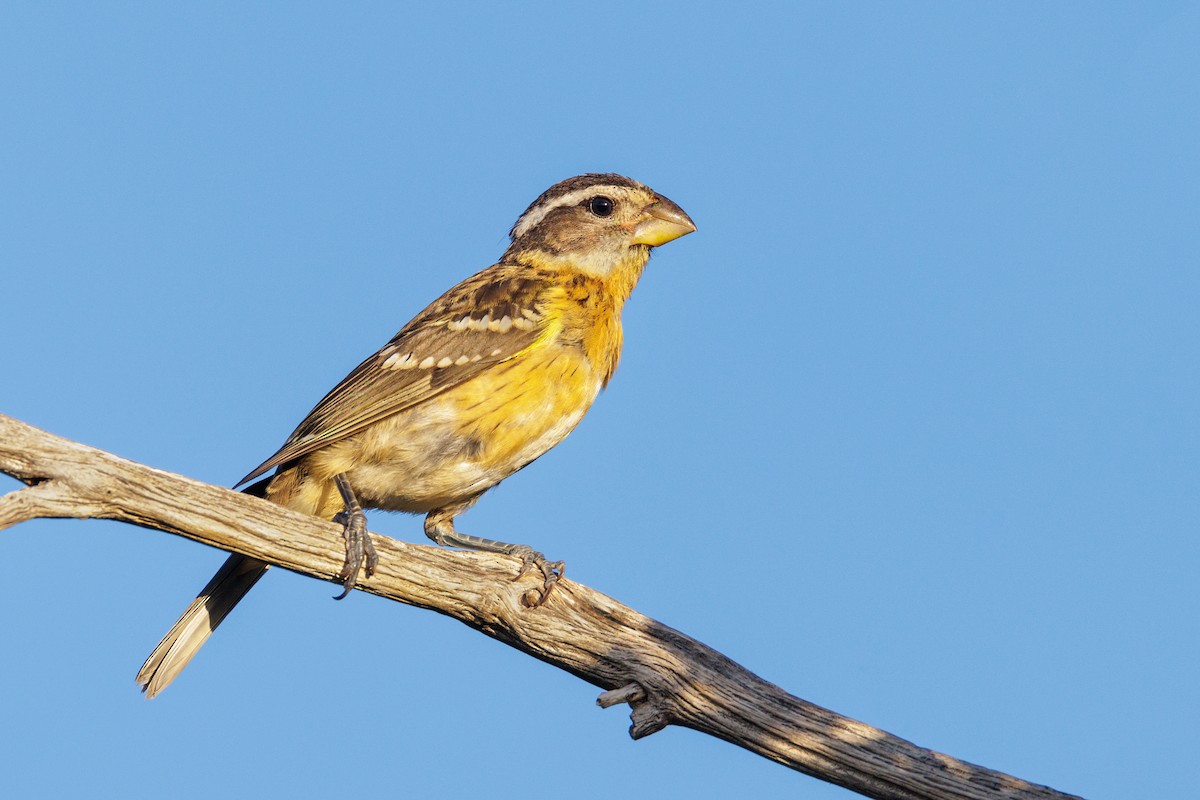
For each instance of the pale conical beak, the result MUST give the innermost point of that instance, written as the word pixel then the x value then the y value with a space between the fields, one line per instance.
pixel 664 221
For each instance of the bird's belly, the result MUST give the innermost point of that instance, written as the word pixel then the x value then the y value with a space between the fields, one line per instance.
pixel 457 445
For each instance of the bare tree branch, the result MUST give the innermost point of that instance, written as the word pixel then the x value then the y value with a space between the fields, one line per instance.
pixel 668 678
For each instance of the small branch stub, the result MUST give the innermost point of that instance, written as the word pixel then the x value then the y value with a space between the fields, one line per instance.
pixel 647 716
pixel 626 694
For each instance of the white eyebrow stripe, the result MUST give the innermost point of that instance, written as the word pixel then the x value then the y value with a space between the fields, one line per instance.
pixel 534 216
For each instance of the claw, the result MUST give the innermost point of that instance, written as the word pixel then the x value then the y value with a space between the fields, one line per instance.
pixel 551 572
pixel 359 548
pixel 358 541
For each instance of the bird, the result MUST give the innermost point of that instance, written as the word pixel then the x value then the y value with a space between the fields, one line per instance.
pixel 486 379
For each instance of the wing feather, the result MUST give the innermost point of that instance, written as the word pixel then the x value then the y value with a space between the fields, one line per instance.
pixel 482 321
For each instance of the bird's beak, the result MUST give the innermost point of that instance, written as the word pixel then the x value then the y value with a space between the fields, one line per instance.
pixel 662 221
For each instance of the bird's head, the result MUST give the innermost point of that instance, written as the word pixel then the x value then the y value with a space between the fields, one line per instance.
pixel 595 224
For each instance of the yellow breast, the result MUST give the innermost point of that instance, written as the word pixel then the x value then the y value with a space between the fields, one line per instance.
pixel 456 445
pixel 525 406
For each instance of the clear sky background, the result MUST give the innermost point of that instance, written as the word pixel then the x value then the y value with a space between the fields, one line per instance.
pixel 908 427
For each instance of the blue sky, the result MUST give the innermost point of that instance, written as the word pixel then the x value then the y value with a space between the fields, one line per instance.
pixel 907 427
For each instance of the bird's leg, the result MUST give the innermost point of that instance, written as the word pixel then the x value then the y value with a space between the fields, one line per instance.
pixel 358 541
pixel 439 526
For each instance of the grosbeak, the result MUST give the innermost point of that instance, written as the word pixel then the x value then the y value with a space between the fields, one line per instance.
pixel 491 375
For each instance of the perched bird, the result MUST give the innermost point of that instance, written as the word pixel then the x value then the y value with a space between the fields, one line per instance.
pixel 490 376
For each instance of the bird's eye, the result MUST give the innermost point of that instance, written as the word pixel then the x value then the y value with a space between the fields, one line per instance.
pixel 601 206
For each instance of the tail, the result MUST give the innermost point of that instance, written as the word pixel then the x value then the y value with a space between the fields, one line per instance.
pixel 226 589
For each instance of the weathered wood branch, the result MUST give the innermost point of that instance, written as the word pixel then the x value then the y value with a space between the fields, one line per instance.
pixel 668 678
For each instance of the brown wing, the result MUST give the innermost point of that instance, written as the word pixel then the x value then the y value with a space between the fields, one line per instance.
pixel 482 321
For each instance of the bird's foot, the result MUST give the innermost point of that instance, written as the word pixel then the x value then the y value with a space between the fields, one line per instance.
pixel 439 526
pixel 551 571
pixel 360 551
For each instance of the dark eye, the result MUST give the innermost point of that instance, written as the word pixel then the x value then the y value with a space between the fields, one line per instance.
pixel 601 206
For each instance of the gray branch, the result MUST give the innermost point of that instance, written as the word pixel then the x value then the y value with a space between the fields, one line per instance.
pixel 668 678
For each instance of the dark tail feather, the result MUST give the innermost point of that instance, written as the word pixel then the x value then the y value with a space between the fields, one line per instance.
pixel 235 577
pixel 258 488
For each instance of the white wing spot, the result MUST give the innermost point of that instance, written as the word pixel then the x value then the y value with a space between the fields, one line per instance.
pixel 458 362
pixel 496 352
pixel 525 322
pixel 400 361
pixel 445 362
pixel 426 363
